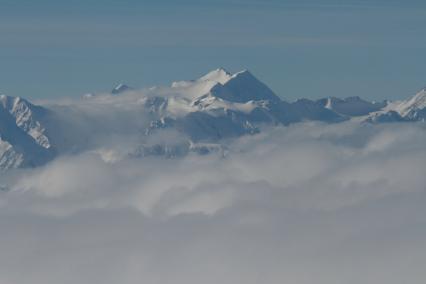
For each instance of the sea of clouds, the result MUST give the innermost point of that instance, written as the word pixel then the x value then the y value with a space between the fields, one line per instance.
pixel 308 203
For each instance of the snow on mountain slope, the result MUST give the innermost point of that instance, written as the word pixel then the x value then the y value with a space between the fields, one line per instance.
pixel 352 106
pixel 26 117
pixel 384 117
pixel 242 87
pixel 23 139
pixel 189 90
pixel 221 104
pixel 9 158
pixel 120 88
pixel 417 102
pixel 219 75
pixel 311 110
pixel 412 109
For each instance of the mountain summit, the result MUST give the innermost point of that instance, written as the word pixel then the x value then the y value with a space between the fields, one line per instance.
pixel 412 109
pixel 242 87
pixel 219 75
pixel 416 103
pixel 120 88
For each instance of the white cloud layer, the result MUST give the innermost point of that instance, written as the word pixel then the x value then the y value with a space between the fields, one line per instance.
pixel 309 203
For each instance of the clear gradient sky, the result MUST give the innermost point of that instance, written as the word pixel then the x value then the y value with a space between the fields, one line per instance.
pixel 308 48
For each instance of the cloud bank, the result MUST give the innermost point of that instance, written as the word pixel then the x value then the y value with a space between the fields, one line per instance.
pixel 308 203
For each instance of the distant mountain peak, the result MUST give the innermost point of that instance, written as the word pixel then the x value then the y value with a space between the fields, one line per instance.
pixel 411 109
pixel 120 88
pixel 242 87
pixel 11 102
pixel 417 102
pixel 350 106
pixel 243 72
pixel 219 75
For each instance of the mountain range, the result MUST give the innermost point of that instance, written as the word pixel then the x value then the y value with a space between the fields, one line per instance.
pixel 188 116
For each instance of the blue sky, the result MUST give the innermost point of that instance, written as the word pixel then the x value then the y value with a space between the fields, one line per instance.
pixel 374 49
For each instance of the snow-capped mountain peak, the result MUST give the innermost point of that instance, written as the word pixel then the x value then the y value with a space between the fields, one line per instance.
pixel 417 102
pixel 23 138
pixel 219 75
pixel 242 87
pixel 8 102
pixel 120 88
pixel 26 117
pixel 412 109
pixel 351 106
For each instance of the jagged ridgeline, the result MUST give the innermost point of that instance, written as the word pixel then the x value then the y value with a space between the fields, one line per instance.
pixel 196 116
